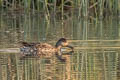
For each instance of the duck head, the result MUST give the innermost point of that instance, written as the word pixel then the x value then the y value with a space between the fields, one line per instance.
pixel 62 42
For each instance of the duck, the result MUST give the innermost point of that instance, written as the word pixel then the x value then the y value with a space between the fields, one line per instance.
pixel 44 49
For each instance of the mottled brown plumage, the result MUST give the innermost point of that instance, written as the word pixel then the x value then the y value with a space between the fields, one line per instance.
pixel 43 49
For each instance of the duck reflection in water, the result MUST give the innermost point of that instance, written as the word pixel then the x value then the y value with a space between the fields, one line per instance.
pixel 44 49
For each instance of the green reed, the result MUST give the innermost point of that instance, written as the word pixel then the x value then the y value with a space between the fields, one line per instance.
pixel 94 8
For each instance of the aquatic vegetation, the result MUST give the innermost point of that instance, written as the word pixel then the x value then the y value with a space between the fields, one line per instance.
pixel 91 8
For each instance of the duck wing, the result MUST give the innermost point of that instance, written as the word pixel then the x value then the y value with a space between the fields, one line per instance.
pixel 29 44
pixel 28 48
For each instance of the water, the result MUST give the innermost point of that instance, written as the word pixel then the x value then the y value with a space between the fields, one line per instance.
pixel 96 44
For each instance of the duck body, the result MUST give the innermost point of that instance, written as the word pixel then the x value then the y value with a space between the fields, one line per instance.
pixel 46 50
pixel 42 49
pixel 38 49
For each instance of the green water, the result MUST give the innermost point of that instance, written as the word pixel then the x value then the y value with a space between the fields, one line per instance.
pixel 96 44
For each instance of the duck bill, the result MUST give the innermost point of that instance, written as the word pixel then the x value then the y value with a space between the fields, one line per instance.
pixel 70 47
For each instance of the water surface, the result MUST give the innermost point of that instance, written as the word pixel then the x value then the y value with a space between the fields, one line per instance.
pixel 96 44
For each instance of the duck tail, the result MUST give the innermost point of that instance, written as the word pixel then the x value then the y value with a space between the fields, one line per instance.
pixel 28 48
